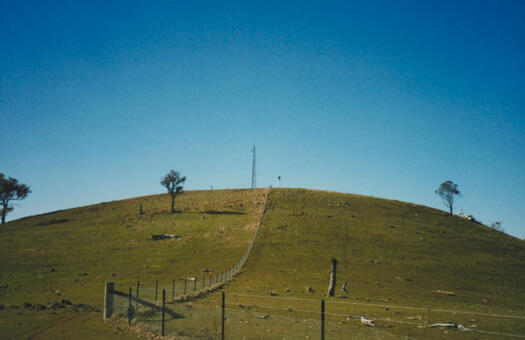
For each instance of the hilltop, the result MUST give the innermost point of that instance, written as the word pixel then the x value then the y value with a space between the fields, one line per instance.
pixel 389 252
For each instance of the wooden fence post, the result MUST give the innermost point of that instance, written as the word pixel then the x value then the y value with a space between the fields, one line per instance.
pixel 163 308
pixel 108 299
pixel 185 286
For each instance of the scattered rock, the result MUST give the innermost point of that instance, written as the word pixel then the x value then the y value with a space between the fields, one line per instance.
pixel 287 290
pixel 205 270
pixel 273 293
pixel 39 307
pixel 27 305
pixel 262 316
pixel 444 292
pixel 309 289
pixel 52 269
pixel 367 322
pixel 417 317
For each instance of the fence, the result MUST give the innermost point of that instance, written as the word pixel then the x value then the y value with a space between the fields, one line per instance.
pixel 241 316
pixel 233 318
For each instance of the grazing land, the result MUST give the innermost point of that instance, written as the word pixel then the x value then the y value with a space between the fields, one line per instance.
pixel 406 266
pixel 68 255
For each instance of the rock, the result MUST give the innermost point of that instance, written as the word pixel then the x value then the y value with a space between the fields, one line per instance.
pixel 367 322
pixel 66 302
pixel 287 290
pixel 444 292
pixel 205 270
pixel 27 305
pixel 1 306
pixel 273 293
pixel 39 307
pixel 309 289
pixel 52 269
pixel 4 286
pixel 262 316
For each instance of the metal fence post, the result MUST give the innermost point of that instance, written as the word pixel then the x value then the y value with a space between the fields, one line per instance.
pixel 322 319
pixel 138 285
pixel 222 315
pixel 156 290
pixel 129 305
pixel 163 308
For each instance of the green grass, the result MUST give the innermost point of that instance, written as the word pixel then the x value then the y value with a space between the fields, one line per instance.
pixel 391 253
pixel 70 254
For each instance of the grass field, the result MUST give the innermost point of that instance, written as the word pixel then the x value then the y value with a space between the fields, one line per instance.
pixel 393 255
pixel 70 254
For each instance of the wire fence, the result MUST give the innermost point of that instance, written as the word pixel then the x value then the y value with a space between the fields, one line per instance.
pixel 242 316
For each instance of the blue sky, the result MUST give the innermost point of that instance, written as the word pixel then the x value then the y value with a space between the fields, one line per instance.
pixel 386 98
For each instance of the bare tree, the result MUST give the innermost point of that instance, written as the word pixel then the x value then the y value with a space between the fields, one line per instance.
pixel 11 190
pixel 448 191
pixel 172 181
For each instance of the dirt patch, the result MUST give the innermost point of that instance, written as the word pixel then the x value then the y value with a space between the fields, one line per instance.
pixel 250 226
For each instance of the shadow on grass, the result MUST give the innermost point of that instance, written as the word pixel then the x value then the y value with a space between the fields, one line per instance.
pixel 154 309
pixel 225 212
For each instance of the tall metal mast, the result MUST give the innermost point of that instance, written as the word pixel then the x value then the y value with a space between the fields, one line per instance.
pixel 254 180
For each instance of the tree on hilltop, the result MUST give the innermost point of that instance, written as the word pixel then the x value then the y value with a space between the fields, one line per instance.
pixel 448 191
pixel 173 182
pixel 11 190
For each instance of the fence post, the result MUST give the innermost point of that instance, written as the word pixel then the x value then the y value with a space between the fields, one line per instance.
pixel 108 299
pixel 203 280
pixel 129 305
pixel 173 290
pixel 211 278
pixel 195 284
pixel 138 285
pixel 185 285
pixel 156 290
pixel 322 319
pixel 163 308
pixel 222 315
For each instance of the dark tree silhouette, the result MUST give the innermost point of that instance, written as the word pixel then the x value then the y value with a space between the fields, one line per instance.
pixel 172 181
pixel 11 190
pixel 448 191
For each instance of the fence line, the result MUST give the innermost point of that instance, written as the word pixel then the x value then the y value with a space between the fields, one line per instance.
pixel 428 309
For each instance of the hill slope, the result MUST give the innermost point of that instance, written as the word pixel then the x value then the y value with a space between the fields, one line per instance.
pixel 390 253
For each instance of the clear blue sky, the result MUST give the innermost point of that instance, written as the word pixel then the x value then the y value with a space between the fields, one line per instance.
pixel 98 99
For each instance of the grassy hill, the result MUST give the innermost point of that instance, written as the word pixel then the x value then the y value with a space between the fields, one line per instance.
pixel 392 254
pixel 70 254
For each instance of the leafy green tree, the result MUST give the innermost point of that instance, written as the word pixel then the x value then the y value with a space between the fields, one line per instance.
pixel 11 190
pixel 448 191
pixel 173 182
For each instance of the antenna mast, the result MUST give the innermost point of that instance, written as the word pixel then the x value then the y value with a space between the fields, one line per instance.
pixel 254 181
